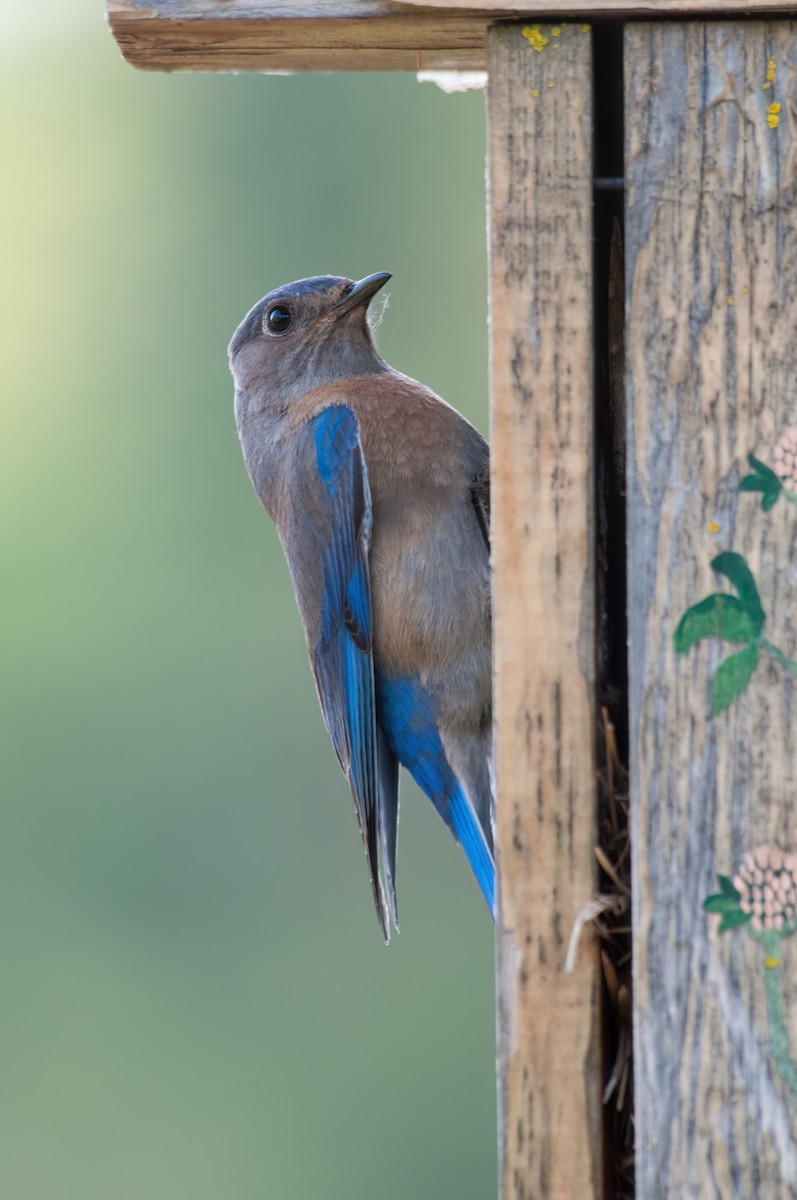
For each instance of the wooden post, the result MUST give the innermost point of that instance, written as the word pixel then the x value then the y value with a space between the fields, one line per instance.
pixel 540 230
pixel 711 288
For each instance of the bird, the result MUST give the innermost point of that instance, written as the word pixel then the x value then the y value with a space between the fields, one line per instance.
pixel 380 494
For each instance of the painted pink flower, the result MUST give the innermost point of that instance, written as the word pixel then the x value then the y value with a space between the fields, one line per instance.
pixel 767 885
pixel 785 459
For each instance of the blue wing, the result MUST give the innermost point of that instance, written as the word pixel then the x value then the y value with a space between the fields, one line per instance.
pixel 336 503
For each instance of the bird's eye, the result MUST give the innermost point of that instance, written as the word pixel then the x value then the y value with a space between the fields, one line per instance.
pixel 279 319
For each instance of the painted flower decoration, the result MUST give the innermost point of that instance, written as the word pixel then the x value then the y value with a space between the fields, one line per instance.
pixel 767 887
pixel 779 480
pixel 762 897
pixel 784 458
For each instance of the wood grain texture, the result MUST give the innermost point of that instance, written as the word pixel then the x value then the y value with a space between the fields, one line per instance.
pixel 711 310
pixel 540 214
pixel 608 8
pixel 346 35
pixel 294 35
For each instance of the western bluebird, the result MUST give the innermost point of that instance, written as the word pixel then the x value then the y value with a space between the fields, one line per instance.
pixel 380 494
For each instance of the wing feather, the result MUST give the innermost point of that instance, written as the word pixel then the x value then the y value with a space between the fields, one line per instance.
pixel 331 479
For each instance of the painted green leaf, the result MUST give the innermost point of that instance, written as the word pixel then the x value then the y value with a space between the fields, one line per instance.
pixel 721 904
pixel 763 470
pixel 727 888
pixel 764 480
pixel 754 483
pixel 726 903
pixel 720 616
pixel 732 677
pixel 734 568
pixel 732 920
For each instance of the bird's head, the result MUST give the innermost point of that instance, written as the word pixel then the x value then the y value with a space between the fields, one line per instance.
pixel 302 335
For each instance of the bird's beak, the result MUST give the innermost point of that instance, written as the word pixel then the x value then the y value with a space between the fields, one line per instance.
pixel 362 292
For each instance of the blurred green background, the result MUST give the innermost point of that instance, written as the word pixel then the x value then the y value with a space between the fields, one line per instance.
pixel 196 1002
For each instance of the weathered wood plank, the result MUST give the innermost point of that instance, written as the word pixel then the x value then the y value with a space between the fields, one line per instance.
pixel 711 287
pixel 608 8
pixel 346 35
pixel 289 35
pixel 540 213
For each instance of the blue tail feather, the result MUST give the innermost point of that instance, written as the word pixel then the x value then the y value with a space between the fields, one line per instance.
pixel 405 712
pixel 473 842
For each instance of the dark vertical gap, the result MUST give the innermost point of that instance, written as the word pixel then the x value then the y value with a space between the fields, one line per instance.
pixel 610 418
pixel 612 663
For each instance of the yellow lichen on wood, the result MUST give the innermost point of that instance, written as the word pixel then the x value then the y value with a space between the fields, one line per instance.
pixel 535 38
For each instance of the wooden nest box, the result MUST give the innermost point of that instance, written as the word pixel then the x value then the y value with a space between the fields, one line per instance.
pixel 642 227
